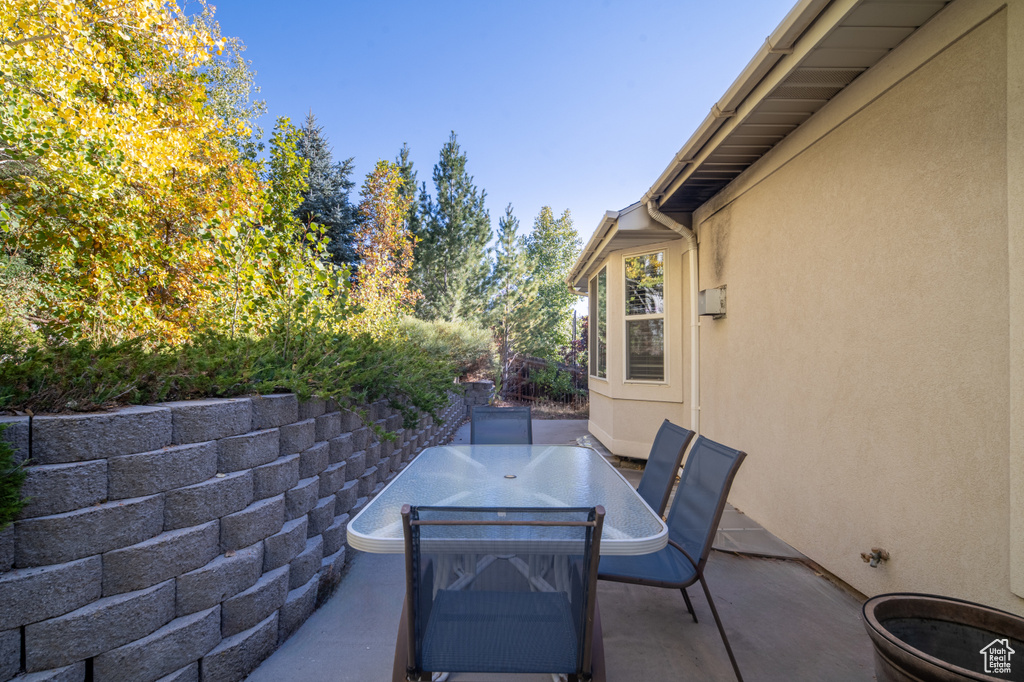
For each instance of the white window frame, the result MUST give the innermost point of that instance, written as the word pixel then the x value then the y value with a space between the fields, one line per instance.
pixel 627 318
pixel 592 323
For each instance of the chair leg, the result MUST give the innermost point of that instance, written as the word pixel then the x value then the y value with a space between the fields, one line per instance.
pixel 689 606
pixel 721 630
pixel 399 670
pixel 597 669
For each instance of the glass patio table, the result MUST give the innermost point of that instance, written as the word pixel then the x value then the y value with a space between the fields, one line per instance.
pixel 511 476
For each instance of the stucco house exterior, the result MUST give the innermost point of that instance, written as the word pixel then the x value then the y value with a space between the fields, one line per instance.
pixel 854 205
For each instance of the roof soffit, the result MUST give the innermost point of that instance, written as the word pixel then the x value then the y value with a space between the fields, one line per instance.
pixel 847 39
pixel 632 227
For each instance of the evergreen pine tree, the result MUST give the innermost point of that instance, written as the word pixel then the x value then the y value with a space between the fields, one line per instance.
pixel 326 200
pixel 551 249
pixel 451 264
pixel 511 309
pixel 407 192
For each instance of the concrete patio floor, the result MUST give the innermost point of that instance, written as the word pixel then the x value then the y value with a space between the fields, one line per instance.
pixel 785 621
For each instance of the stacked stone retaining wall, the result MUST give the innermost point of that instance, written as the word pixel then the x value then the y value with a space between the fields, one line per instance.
pixel 185 541
pixel 478 393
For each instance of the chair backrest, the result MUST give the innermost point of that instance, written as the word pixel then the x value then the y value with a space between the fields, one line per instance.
pixel 501 426
pixel 662 465
pixel 700 498
pixel 501 590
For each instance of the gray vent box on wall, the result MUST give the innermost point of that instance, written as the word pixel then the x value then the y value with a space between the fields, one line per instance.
pixel 711 302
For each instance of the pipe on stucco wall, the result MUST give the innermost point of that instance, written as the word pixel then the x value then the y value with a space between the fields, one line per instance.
pixel 691 250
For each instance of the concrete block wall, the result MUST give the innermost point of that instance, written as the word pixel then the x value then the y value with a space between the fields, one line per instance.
pixel 478 393
pixel 185 541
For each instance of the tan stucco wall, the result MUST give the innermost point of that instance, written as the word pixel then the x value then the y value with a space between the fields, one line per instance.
pixel 1015 215
pixel 625 415
pixel 865 360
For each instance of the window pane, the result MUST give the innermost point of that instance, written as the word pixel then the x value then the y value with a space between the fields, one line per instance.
pixel 592 327
pixel 646 356
pixel 599 324
pixel 645 284
pixel 602 323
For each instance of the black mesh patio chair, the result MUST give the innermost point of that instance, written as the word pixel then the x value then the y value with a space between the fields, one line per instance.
pixel 660 473
pixel 501 426
pixel 501 590
pixel 692 521
pixel 662 465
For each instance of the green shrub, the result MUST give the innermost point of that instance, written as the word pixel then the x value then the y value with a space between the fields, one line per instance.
pixel 12 474
pixel 554 383
pixel 468 347
pixel 83 376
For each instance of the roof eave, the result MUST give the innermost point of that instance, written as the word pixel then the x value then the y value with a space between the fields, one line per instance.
pixel 590 251
pixel 775 47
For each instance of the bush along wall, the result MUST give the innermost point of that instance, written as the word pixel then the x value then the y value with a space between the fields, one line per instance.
pixel 186 540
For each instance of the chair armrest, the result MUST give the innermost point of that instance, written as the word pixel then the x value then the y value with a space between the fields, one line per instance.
pixel 685 553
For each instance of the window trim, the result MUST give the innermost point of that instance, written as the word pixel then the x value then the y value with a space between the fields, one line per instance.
pixel 663 316
pixel 593 323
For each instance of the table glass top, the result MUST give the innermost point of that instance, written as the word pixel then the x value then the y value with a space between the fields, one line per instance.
pixel 511 476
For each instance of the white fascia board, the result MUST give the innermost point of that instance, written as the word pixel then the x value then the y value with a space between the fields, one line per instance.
pixel 776 46
pixel 591 250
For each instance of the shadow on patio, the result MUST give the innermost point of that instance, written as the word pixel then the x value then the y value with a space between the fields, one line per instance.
pixel 785 621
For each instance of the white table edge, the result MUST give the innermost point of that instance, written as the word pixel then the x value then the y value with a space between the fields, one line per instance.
pixel 609 547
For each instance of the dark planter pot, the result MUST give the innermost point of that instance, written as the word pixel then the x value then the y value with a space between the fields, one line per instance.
pixel 925 638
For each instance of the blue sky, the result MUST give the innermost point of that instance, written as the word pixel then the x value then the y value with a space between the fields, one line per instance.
pixel 574 104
